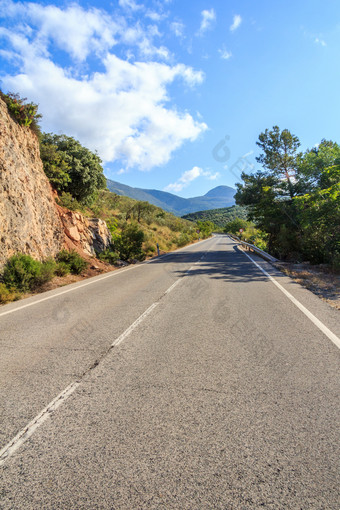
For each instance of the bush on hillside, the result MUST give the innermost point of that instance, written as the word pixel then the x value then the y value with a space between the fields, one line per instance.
pixel 6 295
pixel 23 273
pixel 129 243
pixel 109 256
pixel 26 114
pixel 73 260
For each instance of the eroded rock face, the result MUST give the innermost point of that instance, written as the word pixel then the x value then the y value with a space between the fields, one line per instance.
pixel 29 221
pixel 88 235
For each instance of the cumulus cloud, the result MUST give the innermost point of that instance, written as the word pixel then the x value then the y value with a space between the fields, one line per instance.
pixel 237 20
pixel 121 108
pixel 208 18
pixel 189 176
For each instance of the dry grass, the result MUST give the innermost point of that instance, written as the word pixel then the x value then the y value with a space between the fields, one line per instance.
pixel 318 280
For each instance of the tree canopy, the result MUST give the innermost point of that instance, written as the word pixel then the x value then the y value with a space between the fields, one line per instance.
pixel 295 198
pixel 71 167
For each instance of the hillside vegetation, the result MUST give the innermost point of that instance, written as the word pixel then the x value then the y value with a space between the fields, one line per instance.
pixel 137 227
pixel 218 216
pixel 157 225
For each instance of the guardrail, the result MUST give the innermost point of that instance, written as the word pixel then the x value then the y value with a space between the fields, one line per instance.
pixel 253 248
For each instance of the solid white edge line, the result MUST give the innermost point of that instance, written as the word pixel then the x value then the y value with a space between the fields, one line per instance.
pixel 26 432
pixel 85 284
pixel 335 339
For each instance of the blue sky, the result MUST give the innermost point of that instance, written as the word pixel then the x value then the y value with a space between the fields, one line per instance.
pixel 173 94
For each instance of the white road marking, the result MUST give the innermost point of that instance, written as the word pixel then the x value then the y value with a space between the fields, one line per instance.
pixel 335 339
pixel 172 286
pixel 133 326
pixel 84 284
pixel 26 432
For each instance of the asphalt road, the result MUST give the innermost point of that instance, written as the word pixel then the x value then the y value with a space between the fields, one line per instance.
pixel 224 394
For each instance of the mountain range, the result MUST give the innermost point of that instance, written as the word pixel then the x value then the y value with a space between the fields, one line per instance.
pixel 221 196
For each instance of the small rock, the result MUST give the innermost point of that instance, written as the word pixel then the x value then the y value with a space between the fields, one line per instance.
pixel 121 263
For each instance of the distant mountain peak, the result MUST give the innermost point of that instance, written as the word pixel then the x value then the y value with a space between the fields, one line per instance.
pixel 221 196
pixel 220 191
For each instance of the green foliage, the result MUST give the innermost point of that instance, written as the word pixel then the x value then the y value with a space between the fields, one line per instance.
pixel 319 213
pixel 26 114
pixel 206 228
pixel 47 271
pixel 62 269
pixel 56 169
pixel 183 239
pixel 109 256
pixel 218 216
pixel 234 226
pixel 295 200
pixel 279 157
pixel 129 244
pixel 73 260
pixel 71 167
pixel 315 165
pixel 6 295
pixel 158 226
pixel 66 200
pixel 23 273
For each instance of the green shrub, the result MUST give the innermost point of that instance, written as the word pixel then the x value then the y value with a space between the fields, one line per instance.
pixel 73 260
pixel 129 244
pixel 47 271
pixel 109 256
pixel 26 114
pixel 62 269
pixel 66 200
pixel 6 295
pixel 183 239
pixel 22 273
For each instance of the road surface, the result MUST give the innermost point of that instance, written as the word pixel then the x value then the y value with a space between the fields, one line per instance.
pixel 191 382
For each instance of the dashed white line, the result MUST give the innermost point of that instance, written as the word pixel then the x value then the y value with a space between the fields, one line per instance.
pixel 133 326
pixel 26 432
pixel 335 339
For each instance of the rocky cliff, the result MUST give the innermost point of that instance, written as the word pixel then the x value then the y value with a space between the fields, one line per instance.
pixel 30 220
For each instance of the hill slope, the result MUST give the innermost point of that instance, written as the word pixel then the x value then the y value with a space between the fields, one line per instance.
pixel 221 196
pixel 218 216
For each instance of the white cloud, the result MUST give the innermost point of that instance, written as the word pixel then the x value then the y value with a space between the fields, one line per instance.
pixel 130 4
pixel 87 31
pixel 237 20
pixel 189 176
pixel 320 41
pixel 225 54
pixel 122 109
pixel 177 28
pixel 208 18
